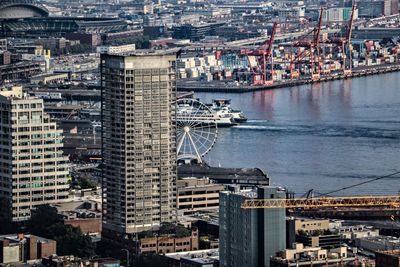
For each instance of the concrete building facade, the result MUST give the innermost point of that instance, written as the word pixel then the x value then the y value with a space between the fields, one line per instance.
pixel 194 194
pixel 249 237
pixel 115 49
pixel 33 169
pixel 138 141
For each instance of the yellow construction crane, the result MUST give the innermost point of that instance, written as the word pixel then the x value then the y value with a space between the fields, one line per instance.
pixel 301 203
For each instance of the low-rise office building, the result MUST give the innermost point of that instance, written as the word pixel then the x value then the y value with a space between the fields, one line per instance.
pixel 300 255
pixel 62 261
pixel 19 71
pixel 357 231
pixel 170 243
pixel 324 241
pixel 197 194
pixel 309 225
pixel 311 232
pixel 199 258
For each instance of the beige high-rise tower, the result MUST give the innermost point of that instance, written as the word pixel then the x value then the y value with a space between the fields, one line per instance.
pixel 33 169
pixel 138 139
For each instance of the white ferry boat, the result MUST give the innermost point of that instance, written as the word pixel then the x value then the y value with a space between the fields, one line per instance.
pixel 190 115
pixel 223 106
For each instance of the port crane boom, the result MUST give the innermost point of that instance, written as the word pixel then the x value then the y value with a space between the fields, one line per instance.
pixel 301 203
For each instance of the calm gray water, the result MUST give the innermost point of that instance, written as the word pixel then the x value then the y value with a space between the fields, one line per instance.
pixel 322 136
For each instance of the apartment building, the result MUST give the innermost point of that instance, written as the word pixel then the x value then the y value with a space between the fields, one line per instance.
pixel 33 169
pixel 138 141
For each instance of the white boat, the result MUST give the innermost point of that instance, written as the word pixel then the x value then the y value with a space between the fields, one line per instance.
pixel 190 114
pixel 223 106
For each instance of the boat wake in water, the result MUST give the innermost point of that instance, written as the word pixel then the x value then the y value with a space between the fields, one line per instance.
pixel 321 130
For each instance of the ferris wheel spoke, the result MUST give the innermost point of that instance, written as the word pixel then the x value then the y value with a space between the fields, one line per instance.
pixel 193 114
pixel 181 142
pixel 179 123
pixel 203 144
pixel 200 125
pixel 195 149
pixel 205 135
pixel 189 145
pixel 202 137
pixel 185 146
pixel 201 131
pixel 189 112
pixel 195 123
pixel 195 136
pixel 179 133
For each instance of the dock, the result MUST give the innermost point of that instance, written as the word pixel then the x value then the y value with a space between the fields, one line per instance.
pixel 221 87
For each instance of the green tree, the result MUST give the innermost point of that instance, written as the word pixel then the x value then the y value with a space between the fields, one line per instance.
pixel 87 183
pixel 181 231
pixel 318 232
pixel 42 217
pixel 167 229
pixel 83 182
pixel 46 222
pixel 173 229
pixel 301 232
pixel 71 241
pixel 328 232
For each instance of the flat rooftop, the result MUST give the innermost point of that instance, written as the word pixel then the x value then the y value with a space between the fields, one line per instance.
pixel 247 176
pixel 200 256
pixel 146 52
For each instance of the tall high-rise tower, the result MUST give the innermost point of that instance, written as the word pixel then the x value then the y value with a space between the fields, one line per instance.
pixel 33 169
pixel 249 237
pixel 138 139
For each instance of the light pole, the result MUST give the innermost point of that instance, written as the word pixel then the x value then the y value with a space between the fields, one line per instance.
pixel 127 256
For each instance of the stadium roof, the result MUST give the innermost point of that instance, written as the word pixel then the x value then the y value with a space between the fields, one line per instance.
pixel 16 9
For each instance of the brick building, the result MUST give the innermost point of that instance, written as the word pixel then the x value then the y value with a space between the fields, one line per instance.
pixel 21 248
pixel 169 244
pixel 92 39
pixel 388 258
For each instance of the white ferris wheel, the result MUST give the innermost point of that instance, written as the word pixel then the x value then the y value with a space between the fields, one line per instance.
pixel 196 129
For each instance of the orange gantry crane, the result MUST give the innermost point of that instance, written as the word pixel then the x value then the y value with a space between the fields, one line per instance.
pixel 259 59
pixel 301 203
pixel 345 42
pixel 308 51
